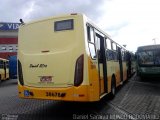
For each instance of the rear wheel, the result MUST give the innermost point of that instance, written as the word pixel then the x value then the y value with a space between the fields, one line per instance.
pixel 113 87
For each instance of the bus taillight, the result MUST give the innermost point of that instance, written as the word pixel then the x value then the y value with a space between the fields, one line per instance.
pixel 78 78
pixel 20 74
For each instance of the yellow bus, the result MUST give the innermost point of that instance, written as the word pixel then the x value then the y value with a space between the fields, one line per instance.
pixel 4 69
pixel 68 58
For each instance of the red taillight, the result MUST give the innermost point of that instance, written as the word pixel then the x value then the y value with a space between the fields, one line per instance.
pixel 78 78
pixel 20 73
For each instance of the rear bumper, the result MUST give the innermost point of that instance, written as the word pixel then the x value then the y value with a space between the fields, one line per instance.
pixel 64 94
pixel 148 71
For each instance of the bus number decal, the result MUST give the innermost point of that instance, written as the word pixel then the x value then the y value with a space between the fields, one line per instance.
pixel 55 94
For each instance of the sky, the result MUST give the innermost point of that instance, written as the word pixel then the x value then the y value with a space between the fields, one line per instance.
pixel 129 22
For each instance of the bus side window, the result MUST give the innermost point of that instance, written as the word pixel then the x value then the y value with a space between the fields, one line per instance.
pixel 97 42
pixel 91 43
pixel 92 50
pixel 123 55
pixel 108 42
pixel 115 56
pixel 114 47
pixel 90 33
pixel 108 51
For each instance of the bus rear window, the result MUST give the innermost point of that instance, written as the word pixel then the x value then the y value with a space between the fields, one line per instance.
pixel 63 25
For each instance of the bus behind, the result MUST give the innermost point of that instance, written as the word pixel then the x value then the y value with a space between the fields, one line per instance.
pixel 148 60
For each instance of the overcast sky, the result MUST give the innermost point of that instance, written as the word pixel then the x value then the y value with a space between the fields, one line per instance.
pixel 130 22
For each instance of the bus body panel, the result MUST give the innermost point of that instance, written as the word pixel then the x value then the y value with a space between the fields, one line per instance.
pixel 124 71
pixel 49 58
pixel 93 80
pixel 46 58
pixel 148 71
pixel 37 64
pixel 59 63
pixel 65 94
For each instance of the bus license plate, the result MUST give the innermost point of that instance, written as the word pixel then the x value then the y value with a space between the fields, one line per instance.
pixel 45 78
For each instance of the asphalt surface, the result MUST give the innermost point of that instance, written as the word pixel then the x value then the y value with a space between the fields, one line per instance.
pixel 136 100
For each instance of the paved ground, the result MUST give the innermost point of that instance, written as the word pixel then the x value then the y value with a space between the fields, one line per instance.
pixel 136 99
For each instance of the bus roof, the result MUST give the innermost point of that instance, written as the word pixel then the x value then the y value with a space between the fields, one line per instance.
pixel 148 47
pixel 51 17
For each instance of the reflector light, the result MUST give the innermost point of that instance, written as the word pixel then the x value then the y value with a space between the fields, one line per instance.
pixel 81 95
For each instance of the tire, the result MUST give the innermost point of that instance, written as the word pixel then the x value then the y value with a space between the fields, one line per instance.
pixel 113 88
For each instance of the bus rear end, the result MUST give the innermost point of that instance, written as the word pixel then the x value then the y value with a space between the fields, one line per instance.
pixel 51 59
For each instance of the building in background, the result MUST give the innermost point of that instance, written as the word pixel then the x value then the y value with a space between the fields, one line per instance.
pixel 8 39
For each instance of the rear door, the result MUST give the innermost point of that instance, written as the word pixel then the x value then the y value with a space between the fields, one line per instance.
pixel 97 49
pixel 120 64
pixel 102 66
